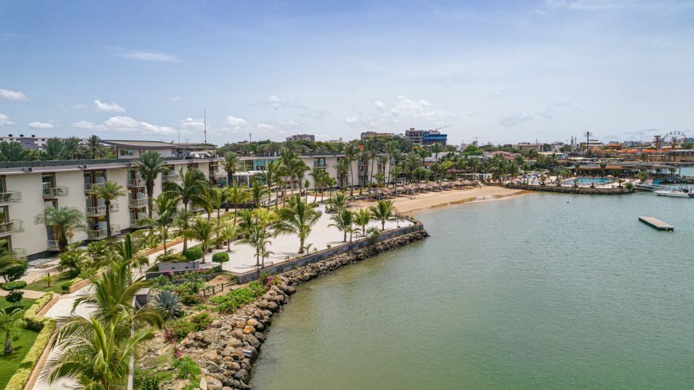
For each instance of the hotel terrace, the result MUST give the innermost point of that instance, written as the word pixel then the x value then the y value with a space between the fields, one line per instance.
pixel 28 187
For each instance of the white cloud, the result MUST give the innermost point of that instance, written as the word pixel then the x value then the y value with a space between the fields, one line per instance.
pixel 41 125
pixel 140 55
pixel 5 120
pixel 286 102
pixel 516 119
pixel 125 124
pixel 14 96
pixel 236 122
pixel 114 107
pixel 552 110
pixel 265 127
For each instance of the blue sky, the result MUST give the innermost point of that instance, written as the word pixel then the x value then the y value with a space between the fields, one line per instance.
pixel 503 71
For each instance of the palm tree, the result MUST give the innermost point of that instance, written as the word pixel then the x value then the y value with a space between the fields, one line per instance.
pixel 269 176
pixel 339 201
pixel 351 153
pixel 342 167
pixel 343 222
pixel 371 149
pixel 151 164
pixel 126 251
pixel 203 231
pixel 237 195
pixel 64 221
pixel 11 323
pixel 72 147
pixel 362 218
pixel 298 218
pixel 254 226
pixel 383 163
pixel 109 192
pixel 257 193
pixel 53 150
pixel 182 223
pixel 228 232
pixel 94 147
pixel 95 354
pixel 13 151
pixel 382 211
pixel 436 149
pixel 166 216
pixel 191 189
pixel 230 165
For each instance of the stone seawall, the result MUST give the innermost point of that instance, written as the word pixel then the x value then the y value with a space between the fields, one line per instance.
pixel 227 349
pixel 573 190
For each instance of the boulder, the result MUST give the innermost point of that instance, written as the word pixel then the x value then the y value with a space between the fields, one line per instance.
pixel 213 383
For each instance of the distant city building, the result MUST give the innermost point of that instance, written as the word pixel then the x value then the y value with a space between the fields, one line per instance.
pixel 374 134
pixel 425 137
pixel 133 149
pixel 526 147
pixel 302 137
pixel 29 143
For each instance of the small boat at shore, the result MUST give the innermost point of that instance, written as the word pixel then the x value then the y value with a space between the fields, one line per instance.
pixel 675 193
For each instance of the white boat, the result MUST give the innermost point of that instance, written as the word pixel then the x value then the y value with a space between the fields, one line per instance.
pixel 675 193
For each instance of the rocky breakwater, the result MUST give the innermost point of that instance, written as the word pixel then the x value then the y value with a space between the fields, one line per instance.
pixel 227 349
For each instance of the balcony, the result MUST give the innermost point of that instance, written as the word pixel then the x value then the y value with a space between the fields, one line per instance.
pixel 137 203
pixel 10 197
pixel 135 183
pixel 320 166
pixel 11 227
pixel 171 176
pixel 91 187
pixel 100 211
pixel 98 234
pixel 55 192
pixel 53 245
pixel 137 224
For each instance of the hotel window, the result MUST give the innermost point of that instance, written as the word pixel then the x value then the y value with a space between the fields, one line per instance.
pixel 126 152
pixel 319 162
pixel 3 186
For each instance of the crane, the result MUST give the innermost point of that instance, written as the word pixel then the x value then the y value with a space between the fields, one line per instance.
pixel 442 127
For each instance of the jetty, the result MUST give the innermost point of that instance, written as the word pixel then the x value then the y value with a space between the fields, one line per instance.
pixel 657 224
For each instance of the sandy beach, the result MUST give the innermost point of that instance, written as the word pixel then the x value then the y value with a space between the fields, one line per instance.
pixel 430 200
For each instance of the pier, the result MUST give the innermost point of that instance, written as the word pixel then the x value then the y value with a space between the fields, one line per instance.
pixel 657 224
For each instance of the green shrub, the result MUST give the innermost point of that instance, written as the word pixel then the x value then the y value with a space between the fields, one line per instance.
pixel 220 257
pixel 14 297
pixel 200 321
pixel 33 320
pixel 65 287
pixel 171 258
pixel 187 369
pixel 234 299
pixel 21 376
pixel 193 253
pixel 146 379
pixel 178 330
pixel 16 285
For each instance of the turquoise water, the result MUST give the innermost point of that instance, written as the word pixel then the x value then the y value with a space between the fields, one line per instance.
pixel 591 180
pixel 541 291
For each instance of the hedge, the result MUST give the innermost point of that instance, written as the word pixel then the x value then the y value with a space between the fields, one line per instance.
pixel 193 253
pixel 220 257
pixel 21 376
pixel 33 320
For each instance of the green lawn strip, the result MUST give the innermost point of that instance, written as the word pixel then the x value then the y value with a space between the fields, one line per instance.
pixel 24 304
pixel 10 363
pixel 58 280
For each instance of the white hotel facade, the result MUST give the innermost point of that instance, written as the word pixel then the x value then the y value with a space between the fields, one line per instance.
pixel 27 188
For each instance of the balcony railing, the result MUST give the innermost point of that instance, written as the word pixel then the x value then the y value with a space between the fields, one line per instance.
pixel 134 183
pixel 13 226
pixel 137 203
pixel 97 234
pixel 57 191
pixel 100 211
pixel 10 197
pixel 137 224
pixel 115 229
pixel 53 245
pixel 91 187
pixel 320 166
pixel 169 177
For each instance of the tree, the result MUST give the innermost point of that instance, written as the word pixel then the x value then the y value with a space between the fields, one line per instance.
pixel 269 175
pixel 191 190
pixel 95 353
pixel 64 221
pixel 382 211
pixel 109 192
pixel 230 165
pixel 47 278
pixel 166 215
pixel 150 165
pixel 351 154
pixel 339 201
pixel 94 147
pixel 203 231
pixel 344 221
pixel 54 149
pixel 227 233
pixel 72 260
pixel 254 226
pixel 342 167
pixel 13 151
pixel 14 291
pixel 257 193
pixel 11 324
pixel 12 268
pixel 126 251
pixel 436 149
pixel 362 218
pixel 298 218
pixel 237 195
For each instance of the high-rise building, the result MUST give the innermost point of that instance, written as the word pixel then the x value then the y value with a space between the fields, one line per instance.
pixel 426 137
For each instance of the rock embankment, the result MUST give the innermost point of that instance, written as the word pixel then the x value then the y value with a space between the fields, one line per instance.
pixel 227 349
pixel 573 190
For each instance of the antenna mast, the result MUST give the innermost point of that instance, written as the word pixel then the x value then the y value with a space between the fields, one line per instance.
pixel 204 121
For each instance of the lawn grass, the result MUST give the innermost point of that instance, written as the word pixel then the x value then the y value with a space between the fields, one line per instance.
pixel 24 304
pixel 58 280
pixel 10 363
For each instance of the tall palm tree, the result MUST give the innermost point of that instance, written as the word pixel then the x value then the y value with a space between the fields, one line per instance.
pixel 94 147
pixel 228 232
pixel 54 149
pixel 191 189
pixel 257 193
pixel 362 218
pixel 126 251
pixel 151 164
pixel 72 147
pixel 182 223
pixel 237 195
pixel 298 218
pixel 382 211
pixel 383 162
pixel 344 222
pixel 230 165
pixel 371 149
pixel 351 153
pixel 269 175
pixel 166 215
pixel 95 354
pixel 13 151
pixel 11 323
pixel 436 149
pixel 202 230
pixel 255 227
pixel 342 167
pixel 109 192
pixel 64 221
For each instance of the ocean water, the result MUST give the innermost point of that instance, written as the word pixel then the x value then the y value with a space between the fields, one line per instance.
pixel 540 291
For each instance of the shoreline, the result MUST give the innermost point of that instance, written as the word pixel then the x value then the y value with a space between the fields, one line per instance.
pixel 436 200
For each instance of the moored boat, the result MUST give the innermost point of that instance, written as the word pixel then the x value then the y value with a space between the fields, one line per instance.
pixel 675 193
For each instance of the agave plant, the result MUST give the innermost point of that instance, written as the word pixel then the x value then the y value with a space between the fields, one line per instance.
pixel 169 303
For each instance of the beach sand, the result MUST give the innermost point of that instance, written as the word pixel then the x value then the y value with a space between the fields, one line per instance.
pixel 429 200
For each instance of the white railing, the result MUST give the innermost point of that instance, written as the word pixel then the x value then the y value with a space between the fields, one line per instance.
pixel 97 234
pixel 136 183
pixel 90 187
pixel 169 177
pixel 97 211
pixel 13 226
pixel 10 197
pixel 56 191
pixel 140 202
pixel 53 245
pixel 115 229
pixel 20 253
